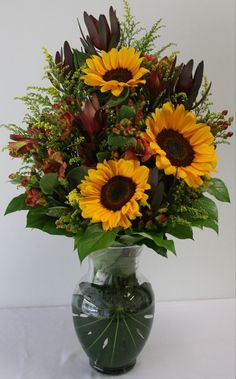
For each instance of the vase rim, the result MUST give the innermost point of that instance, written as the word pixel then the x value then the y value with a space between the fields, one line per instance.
pixel 124 247
pixel 115 249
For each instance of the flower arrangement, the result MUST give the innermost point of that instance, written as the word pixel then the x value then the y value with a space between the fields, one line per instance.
pixel 120 149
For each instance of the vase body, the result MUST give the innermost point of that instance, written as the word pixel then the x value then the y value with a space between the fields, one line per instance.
pixel 113 308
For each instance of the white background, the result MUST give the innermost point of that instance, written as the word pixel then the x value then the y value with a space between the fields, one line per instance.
pixel 39 269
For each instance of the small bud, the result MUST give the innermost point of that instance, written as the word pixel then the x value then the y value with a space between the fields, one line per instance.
pixel 224 112
pixel 141 225
pixel 150 58
pixel 130 102
pixel 115 154
pixel 12 176
pixel 115 131
pixel 163 210
pixel 25 181
pixel 162 219
pixel 230 134
pixel 149 224
pixel 130 130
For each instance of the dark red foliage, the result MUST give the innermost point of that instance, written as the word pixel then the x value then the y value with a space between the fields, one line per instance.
pixel 22 145
pixel 100 36
pixel 91 125
pixel 64 59
pixel 34 197
pixel 66 120
pixel 155 85
pixel 55 163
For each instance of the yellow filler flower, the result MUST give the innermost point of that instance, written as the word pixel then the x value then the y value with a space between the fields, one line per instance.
pixel 115 70
pixel 182 147
pixel 112 193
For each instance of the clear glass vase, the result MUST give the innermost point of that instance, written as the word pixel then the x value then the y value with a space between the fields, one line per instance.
pixel 113 309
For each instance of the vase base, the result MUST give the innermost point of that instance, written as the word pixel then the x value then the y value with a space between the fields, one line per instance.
pixel 114 370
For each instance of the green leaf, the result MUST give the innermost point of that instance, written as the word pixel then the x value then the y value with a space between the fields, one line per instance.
pixel 159 240
pixel 48 183
pixel 126 112
pixel 130 240
pixel 182 231
pixel 76 175
pixel 36 220
pixel 117 100
pixel 120 141
pixel 117 244
pixel 92 239
pixel 198 223
pixel 219 190
pixel 211 224
pixel 79 58
pixel 102 155
pixel 152 245
pixel 57 211
pixel 44 223
pixel 50 228
pixel 39 210
pixel 208 205
pixel 17 204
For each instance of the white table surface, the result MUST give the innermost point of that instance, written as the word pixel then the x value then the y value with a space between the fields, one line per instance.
pixel 189 340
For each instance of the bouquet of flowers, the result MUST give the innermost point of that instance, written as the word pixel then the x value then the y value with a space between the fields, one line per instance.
pixel 120 148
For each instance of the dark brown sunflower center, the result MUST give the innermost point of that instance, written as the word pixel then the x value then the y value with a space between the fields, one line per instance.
pixel 117 192
pixel 119 74
pixel 178 149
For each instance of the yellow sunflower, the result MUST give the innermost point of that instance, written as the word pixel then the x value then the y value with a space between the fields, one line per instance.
pixel 112 193
pixel 182 147
pixel 115 70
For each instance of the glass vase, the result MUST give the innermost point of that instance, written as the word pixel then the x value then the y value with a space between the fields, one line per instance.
pixel 113 309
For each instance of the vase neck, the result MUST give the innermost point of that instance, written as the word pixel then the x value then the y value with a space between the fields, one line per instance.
pixel 114 264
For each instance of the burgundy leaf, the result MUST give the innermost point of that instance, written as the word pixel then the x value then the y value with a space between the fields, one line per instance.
pixel 175 79
pixel 197 81
pixel 95 21
pixel 68 56
pixel 88 48
pixel 58 58
pixel 92 30
pixel 156 192
pixel 104 32
pixel 115 26
pixel 95 101
pixel 185 80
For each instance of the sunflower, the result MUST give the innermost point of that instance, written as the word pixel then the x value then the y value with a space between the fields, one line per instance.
pixel 182 147
pixel 115 70
pixel 112 193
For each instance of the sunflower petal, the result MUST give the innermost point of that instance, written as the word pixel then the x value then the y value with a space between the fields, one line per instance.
pixel 186 151
pixel 94 197
pixel 106 71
